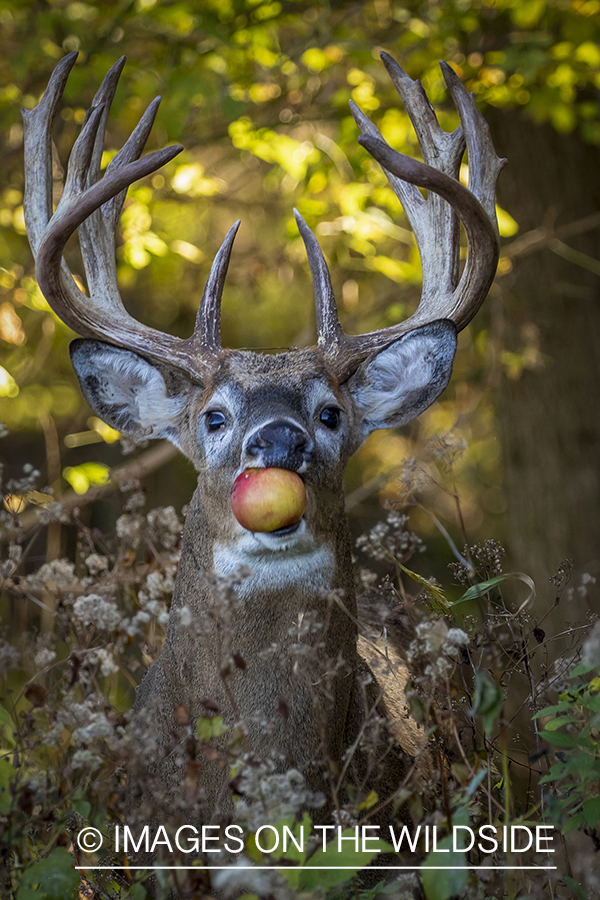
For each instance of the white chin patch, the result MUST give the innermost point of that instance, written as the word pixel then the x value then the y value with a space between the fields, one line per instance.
pixel 277 560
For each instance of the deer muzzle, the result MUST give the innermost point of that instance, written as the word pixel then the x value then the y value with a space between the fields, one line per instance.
pixel 280 444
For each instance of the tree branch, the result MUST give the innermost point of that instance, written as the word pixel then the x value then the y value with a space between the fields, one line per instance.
pixel 142 465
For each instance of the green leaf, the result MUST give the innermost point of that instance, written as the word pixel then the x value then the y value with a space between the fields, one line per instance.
pixel 83 807
pixel 487 701
pixel 433 589
pixel 6 718
pixel 138 892
pixel 581 763
pixel 475 782
pixel 548 779
pixel 575 887
pixel 555 724
pixel 298 829
pixel 573 823
pixel 335 873
pixel 51 878
pixel 553 710
pixel 208 728
pixel 558 738
pixel 583 669
pixel 591 811
pixel 460 816
pixel 7 774
pixel 527 13
pixel 478 590
pixel 565 740
pixel 286 848
pixel 443 883
pixel 591 702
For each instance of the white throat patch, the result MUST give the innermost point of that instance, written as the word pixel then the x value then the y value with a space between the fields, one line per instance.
pixel 277 561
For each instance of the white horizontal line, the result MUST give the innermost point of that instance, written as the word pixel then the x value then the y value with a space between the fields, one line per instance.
pixel 319 868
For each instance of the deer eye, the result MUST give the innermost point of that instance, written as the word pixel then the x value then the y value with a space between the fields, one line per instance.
pixel 215 420
pixel 330 417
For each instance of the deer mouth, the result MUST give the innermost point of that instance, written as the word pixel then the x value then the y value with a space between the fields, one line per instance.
pixel 295 538
pixel 289 529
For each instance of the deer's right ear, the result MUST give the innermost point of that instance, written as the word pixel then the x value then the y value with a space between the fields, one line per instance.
pixel 405 378
pixel 127 392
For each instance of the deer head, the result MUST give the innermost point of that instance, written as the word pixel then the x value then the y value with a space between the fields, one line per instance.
pixel 227 410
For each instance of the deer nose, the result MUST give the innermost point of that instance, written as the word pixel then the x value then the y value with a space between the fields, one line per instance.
pixel 281 444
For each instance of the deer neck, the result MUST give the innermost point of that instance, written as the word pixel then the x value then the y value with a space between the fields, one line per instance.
pixel 245 597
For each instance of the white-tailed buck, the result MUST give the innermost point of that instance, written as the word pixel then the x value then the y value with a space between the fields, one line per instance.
pixel 279 654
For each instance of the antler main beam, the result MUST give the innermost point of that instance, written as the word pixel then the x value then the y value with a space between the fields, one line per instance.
pixel 433 219
pixel 93 204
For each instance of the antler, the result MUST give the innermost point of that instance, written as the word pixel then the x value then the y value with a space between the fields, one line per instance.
pixel 433 219
pixel 93 204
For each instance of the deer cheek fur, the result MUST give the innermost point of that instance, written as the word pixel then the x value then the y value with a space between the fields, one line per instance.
pixel 240 655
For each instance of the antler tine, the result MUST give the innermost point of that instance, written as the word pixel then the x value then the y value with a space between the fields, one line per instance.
pixel 69 304
pixel 37 126
pixel 432 220
pixel 439 147
pixel 484 165
pixel 104 98
pixel 131 149
pixel 133 146
pixel 97 233
pixel 77 175
pixel 408 194
pixel 207 333
pixel 329 330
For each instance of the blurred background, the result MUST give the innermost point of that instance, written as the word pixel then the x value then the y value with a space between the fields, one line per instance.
pixel 257 92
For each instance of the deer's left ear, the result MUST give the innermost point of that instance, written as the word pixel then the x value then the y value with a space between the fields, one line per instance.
pixel 134 396
pixel 406 377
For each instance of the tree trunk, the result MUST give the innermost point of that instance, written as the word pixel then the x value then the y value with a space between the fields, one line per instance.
pixel 549 417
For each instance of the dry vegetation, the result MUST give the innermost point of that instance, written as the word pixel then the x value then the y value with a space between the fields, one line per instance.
pixel 479 668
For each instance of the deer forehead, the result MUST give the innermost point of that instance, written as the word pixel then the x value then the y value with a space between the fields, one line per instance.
pixel 254 368
pixel 253 384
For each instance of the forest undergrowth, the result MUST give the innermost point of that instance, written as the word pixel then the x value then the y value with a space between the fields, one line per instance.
pixel 506 716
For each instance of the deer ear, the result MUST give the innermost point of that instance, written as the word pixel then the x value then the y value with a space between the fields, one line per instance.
pixel 406 377
pixel 127 392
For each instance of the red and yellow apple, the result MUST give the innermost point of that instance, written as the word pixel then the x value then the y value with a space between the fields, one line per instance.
pixel 268 499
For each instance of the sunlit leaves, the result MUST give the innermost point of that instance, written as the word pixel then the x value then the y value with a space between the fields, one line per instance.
pixel 98 431
pixel 139 241
pixel 8 386
pixel 258 94
pixel 317 59
pixel 507 226
pixel 190 179
pixel 11 327
pixel 290 155
pixel 527 13
pixel 86 475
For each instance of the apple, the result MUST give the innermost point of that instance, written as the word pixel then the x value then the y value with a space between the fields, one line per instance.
pixel 268 499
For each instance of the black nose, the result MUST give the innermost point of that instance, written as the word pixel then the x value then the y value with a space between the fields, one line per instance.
pixel 281 445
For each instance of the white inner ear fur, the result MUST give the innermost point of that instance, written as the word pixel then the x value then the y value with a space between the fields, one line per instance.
pixel 126 391
pixel 404 379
